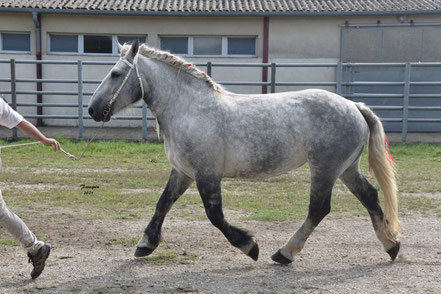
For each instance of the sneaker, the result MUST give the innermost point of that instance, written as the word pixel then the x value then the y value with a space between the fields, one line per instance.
pixel 38 260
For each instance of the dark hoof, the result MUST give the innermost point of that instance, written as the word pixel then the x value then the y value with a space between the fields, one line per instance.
pixel 254 252
pixel 143 251
pixel 393 252
pixel 279 258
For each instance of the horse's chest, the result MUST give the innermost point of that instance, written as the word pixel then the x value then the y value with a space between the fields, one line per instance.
pixel 176 159
pixel 180 158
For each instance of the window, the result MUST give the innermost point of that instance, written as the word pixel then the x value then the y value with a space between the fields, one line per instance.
pixel 207 46
pixel 89 44
pixel 129 39
pixel 210 46
pixel 15 42
pixel 97 44
pixel 177 45
pixel 241 46
pixel 64 43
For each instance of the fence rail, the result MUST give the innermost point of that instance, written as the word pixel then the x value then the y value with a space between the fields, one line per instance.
pixel 338 85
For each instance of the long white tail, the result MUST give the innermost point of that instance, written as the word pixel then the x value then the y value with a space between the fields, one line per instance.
pixel 382 166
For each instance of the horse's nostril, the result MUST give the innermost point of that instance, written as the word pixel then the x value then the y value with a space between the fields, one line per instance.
pixel 91 111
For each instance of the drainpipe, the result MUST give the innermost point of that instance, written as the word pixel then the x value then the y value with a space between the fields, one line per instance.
pixel 265 52
pixel 37 21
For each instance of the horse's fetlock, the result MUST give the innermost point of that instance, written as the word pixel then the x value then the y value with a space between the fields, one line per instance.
pixel 246 248
pixel 240 238
pixel 149 241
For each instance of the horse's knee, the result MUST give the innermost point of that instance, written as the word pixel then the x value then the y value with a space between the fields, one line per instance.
pixel 3 210
pixel 318 211
pixel 2 204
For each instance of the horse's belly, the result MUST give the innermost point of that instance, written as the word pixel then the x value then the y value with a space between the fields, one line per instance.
pixel 245 164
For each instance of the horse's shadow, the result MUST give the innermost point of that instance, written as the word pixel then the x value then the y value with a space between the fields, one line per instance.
pixel 17 284
pixel 269 277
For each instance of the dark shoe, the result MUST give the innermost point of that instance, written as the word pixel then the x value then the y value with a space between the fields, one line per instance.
pixel 38 260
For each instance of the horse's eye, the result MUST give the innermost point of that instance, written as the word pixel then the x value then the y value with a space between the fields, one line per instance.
pixel 115 74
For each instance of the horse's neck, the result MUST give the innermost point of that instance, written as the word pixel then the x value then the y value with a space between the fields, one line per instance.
pixel 172 91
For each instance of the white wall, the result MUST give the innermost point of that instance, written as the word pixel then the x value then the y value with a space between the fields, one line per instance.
pixel 291 39
pixel 153 27
pixel 11 23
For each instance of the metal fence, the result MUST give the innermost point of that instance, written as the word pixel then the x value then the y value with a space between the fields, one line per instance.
pixel 79 93
pixel 343 84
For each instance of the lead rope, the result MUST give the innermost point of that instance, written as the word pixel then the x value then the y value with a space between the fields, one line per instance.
pixel 34 143
pixel 90 140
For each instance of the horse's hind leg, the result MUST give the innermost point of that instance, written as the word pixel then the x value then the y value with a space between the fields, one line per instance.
pixel 319 207
pixel 177 184
pixel 368 196
pixel 210 189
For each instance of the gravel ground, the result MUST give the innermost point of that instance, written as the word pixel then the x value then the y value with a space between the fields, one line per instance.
pixel 341 256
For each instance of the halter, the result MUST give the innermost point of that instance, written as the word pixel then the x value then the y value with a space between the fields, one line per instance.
pixel 132 66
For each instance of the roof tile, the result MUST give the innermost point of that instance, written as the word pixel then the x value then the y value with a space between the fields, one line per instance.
pixel 231 5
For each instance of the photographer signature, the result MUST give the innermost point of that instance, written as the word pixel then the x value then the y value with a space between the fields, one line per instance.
pixel 88 190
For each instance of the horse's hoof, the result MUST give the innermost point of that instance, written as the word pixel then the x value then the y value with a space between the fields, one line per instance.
pixel 393 252
pixel 279 258
pixel 143 251
pixel 254 252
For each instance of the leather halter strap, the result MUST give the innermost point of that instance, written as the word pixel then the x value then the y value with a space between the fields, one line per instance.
pixel 132 66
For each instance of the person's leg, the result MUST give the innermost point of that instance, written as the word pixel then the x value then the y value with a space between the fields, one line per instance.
pixel 38 251
pixel 18 228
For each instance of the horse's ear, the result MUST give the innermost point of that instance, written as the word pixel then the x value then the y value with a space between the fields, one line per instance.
pixel 134 48
pixel 120 47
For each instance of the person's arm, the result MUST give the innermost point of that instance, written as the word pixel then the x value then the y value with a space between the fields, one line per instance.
pixel 33 132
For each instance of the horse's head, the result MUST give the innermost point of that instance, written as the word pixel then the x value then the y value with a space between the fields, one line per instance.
pixel 121 87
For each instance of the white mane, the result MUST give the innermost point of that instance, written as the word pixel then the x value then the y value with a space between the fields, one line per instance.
pixel 175 61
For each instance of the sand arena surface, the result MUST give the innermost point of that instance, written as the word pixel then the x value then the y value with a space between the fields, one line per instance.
pixel 341 256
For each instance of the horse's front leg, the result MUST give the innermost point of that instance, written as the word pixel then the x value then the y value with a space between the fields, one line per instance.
pixel 177 184
pixel 210 189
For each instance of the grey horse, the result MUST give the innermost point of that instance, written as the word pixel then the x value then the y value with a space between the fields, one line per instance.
pixel 210 133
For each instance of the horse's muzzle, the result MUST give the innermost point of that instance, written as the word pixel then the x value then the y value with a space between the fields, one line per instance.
pixel 97 115
pixel 91 111
pixel 94 114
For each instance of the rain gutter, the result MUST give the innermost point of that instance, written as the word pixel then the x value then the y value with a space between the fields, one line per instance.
pixel 387 25
pixel 265 52
pixel 39 73
pixel 221 13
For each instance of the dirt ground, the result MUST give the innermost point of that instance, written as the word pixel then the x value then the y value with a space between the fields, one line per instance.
pixel 341 256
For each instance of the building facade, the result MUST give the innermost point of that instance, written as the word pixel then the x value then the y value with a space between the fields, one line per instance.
pixel 215 31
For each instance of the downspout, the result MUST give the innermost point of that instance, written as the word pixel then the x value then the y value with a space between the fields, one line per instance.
pixel 37 21
pixel 265 52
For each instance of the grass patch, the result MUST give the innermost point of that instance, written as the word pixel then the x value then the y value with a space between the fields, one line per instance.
pixel 127 241
pixel 167 257
pixel 132 175
pixel 8 242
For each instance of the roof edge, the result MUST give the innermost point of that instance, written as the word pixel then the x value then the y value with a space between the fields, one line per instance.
pixel 219 13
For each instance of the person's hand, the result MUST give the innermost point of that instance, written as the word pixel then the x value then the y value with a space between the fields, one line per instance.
pixel 51 142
